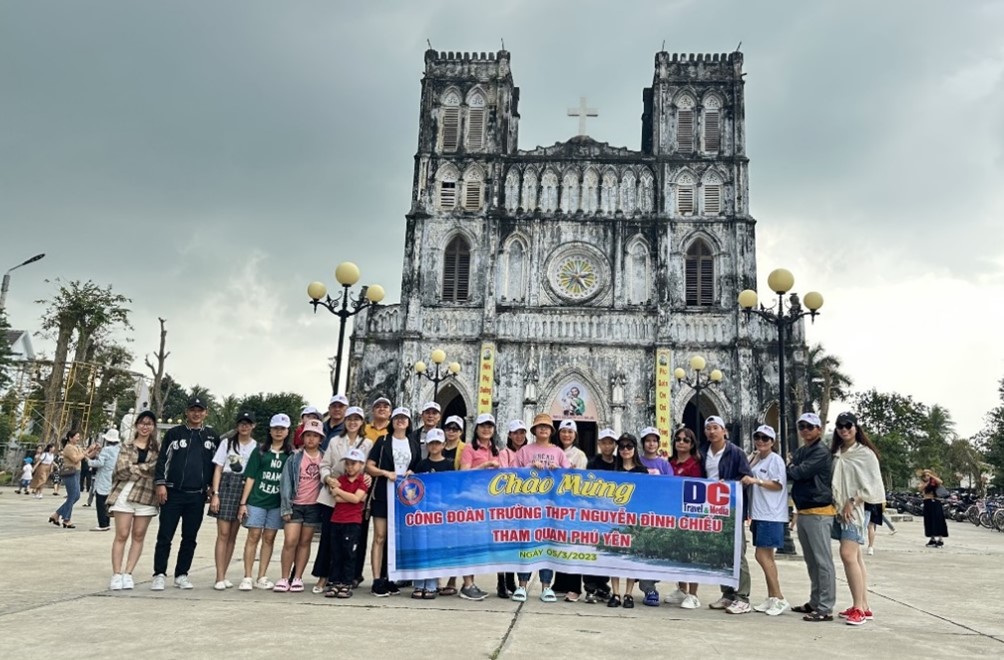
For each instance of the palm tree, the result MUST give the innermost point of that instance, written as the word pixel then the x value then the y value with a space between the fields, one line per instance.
pixel 825 380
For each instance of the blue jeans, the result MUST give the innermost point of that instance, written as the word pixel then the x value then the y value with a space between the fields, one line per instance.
pixel 546 577
pixel 72 483
pixel 430 584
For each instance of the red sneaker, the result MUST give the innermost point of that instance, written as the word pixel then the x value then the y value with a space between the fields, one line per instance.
pixel 855 617
pixel 868 615
pixel 845 613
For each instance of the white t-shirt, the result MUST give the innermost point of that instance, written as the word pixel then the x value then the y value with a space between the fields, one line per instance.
pixel 223 455
pixel 46 458
pixel 26 471
pixel 771 505
pixel 402 455
pixel 711 462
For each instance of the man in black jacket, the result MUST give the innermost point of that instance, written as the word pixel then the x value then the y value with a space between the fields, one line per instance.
pixel 182 481
pixel 810 478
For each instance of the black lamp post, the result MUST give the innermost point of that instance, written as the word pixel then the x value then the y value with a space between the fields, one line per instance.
pixel 697 364
pixel 347 274
pixel 6 278
pixel 439 373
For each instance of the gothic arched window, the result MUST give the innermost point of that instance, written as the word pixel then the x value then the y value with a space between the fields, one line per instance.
pixel 475 121
pixel 473 188
pixel 711 188
pixel 628 192
pixel 456 270
pixel 529 201
pixel 449 125
pixel 700 275
pixel 645 194
pixel 570 192
pixel 685 124
pixel 590 186
pixel 638 273
pixel 512 190
pixel 685 194
pixel 446 188
pixel 608 194
pixel 511 275
pixel 549 192
pixel 712 124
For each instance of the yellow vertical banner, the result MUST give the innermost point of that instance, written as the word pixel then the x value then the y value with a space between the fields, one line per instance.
pixel 663 407
pixel 486 377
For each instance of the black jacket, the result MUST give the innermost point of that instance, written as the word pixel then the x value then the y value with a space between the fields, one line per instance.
pixel 383 455
pixel 811 476
pixel 185 461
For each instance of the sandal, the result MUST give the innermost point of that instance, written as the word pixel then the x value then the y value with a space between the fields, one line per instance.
pixel 331 592
pixel 296 586
pixel 571 597
pixel 628 602
pixel 803 609
pixel 447 591
pixel 344 592
pixel 817 617
pixel 418 594
pixel 615 601
pixel 430 594
pixel 68 525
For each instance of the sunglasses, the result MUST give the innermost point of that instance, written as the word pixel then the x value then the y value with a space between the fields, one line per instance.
pixel 452 428
pixel 683 438
pixel 760 437
pixel 802 426
pixel 845 426
pixel 623 447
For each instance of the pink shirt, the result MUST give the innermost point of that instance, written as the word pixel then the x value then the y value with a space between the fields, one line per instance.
pixel 507 457
pixel 309 486
pixel 472 458
pixel 550 455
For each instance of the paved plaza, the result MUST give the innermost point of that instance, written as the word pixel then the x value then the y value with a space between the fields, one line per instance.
pixel 927 603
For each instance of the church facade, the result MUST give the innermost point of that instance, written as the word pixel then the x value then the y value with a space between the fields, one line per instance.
pixel 574 278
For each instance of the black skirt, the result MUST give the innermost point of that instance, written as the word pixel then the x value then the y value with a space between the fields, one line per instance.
pixel 934 519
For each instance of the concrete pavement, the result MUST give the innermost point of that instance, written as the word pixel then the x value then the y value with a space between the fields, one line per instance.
pixel 927 603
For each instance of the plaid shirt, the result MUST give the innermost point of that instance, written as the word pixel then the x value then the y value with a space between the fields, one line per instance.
pixel 127 469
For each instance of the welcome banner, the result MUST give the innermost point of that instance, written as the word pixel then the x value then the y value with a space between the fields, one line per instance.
pixel 595 523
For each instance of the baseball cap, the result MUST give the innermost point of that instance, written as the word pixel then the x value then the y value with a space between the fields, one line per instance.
pixel 714 419
pixel 310 410
pixel 811 418
pixel 568 424
pixel 608 433
pixel 435 435
pixel 455 419
pixel 280 420
pixel 517 425
pixel 846 417
pixel 355 454
pixel 766 430
pixel 245 416
pixel 649 430
pixel 355 410
pixel 400 412
pixel 313 426
pixel 431 405
pixel 339 398
pixel 380 400
pixel 485 418
pixel 197 402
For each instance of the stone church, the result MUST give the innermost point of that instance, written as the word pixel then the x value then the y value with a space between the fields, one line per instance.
pixel 574 278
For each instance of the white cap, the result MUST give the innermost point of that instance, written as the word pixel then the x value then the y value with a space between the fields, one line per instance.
pixel 431 405
pixel 380 400
pixel 608 433
pixel 280 420
pixel 339 398
pixel 313 426
pixel 766 430
pixel 714 419
pixel 112 436
pixel 568 424
pixel 400 412
pixel 355 410
pixel 649 430
pixel 485 418
pixel 435 435
pixel 811 418
pixel 310 410
pixel 355 454
pixel 455 419
pixel 517 425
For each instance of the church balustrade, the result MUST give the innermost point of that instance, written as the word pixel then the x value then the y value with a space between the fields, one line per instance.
pixel 382 320
pixel 452 323
pixel 605 328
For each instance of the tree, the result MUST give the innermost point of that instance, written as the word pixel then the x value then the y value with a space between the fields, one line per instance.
pixel 263 406
pixel 964 463
pixel 6 360
pixel 892 421
pixel 114 381
pixel 221 416
pixel 825 380
pixel 931 446
pixel 175 399
pixel 159 390
pixel 991 438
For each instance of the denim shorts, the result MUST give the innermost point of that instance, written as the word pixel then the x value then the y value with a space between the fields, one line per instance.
pixel 306 514
pixel 259 518
pixel 767 534
pixel 843 531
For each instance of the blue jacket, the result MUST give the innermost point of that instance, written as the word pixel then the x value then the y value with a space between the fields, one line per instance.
pixel 105 468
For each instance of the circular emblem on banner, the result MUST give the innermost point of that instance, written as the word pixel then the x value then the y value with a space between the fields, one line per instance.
pixel 411 491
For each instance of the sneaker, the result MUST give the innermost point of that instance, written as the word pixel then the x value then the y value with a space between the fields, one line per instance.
pixel 652 598
pixel 127 582
pixel 281 586
pixel 472 593
pixel 870 551
pixel 379 589
pixel 247 584
pixel 591 598
pixel 116 583
pixel 868 615
pixel 739 607
pixel 690 602
pixel 158 582
pixel 765 605
pixel 100 529
pixel 392 588
pixel 182 582
pixel 846 613
pixel 892 533
pixel 264 583
pixel 855 617
pixel 228 584
pixel 220 586
pixel 932 543
pixel 676 598
pixel 519 595
pixel 780 606
pixel 940 543
pixel 721 604
pixel 547 595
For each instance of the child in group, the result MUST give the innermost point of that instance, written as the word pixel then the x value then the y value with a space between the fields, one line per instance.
pixel 542 455
pixel 26 471
pixel 570 584
pixel 346 523
pixel 627 461
pixel 685 461
pixel 481 454
pixel 597 587
pixel 231 459
pixel 261 502
pixel 434 462
pixel 301 484
pixel 655 464
pixel 505 584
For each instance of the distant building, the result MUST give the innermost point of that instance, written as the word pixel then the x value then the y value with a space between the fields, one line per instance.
pixel 19 342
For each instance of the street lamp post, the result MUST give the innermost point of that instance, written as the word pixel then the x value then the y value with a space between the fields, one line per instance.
pixel 6 279
pixel 697 363
pixel 347 274
pixel 439 374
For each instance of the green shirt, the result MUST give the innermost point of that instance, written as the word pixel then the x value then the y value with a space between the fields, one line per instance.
pixel 266 470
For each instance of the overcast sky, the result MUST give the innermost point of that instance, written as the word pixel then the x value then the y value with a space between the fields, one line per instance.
pixel 209 159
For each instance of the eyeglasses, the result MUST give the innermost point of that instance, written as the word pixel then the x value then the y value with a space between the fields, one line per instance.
pixel 802 426
pixel 760 437
pixel 845 426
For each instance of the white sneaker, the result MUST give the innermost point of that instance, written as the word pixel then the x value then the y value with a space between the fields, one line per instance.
pixel 219 586
pixel 871 551
pixel 247 584
pixel 676 598
pixel 127 582
pixel 228 584
pixel 765 605
pixel 690 602
pixel 158 582
pixel 182 582
pixel 116 583
pixel 721 604
pixel 264 583
pixel 779 606
pixel 739 607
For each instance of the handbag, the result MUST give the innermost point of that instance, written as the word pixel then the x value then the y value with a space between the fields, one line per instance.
pixel 941 492
pixel 65 473
pixel 369 494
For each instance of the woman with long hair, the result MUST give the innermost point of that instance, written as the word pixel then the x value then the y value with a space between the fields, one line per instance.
pixel 231 459
pixel 628 460
pixel 685 461
pixel 132 500
pixel 481 454
pixel 935 527
pixel 570 584
pixel 70 473
pixel 857 480
pixel 44 459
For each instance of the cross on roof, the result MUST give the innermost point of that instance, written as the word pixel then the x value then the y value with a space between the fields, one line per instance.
pixel 582 112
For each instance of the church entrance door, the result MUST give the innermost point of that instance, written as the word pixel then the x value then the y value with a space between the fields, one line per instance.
pixel 452 404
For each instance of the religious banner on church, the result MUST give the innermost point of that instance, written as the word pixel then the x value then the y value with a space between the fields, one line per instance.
pixel 486 377
pixel 663 392
pixel 574 401
pixel 608 523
